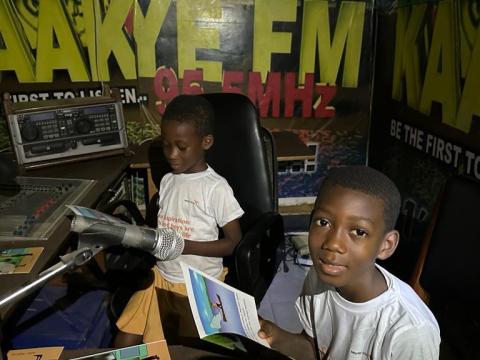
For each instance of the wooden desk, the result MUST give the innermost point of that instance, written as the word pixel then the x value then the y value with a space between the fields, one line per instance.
pixel 105 171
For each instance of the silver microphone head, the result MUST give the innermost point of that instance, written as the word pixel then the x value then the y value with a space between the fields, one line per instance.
pixel 169 244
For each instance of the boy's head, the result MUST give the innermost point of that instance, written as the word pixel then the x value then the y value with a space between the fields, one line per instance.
pixel 187 131
pixel 193 109
pixel 352 226
pixel 371 182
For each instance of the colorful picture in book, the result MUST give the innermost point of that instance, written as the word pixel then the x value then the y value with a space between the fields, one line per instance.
pixel 217 306
pixel 19 260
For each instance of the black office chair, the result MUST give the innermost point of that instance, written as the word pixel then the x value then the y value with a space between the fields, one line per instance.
pixel 243 153
pixel 447 274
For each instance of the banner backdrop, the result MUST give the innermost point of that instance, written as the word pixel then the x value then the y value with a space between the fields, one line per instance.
pixel 306 65
pixel 426 110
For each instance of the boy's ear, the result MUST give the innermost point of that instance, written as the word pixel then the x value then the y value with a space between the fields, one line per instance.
pixel 207 142
pixel 389 244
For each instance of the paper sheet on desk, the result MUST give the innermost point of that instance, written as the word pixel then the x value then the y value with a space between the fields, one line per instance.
pixel 46 353
pixel 19 260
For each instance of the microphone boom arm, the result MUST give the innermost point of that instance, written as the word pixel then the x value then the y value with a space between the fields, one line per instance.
pixel 67 263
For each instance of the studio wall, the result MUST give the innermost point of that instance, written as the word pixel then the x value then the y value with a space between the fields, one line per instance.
pixel 425 124
pixel 306 65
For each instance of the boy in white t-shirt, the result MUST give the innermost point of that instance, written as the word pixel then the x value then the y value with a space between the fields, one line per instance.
pixel 350 307
pixel 195 201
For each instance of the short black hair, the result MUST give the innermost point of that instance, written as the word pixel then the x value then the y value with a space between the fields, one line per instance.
pixel 194 109
pixel 371 182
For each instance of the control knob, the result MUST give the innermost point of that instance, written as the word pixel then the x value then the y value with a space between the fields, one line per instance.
pixel 83 126
pixel 29 132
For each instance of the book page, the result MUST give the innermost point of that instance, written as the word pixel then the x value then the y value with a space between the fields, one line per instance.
pixel 46 353
pixel 94 214
pixel 219 308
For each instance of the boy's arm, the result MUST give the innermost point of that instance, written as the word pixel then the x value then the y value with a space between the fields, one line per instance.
pixel 217 248
pixel 297 346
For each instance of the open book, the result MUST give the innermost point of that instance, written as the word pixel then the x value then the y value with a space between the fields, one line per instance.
pixel 224 315
pixel 84 212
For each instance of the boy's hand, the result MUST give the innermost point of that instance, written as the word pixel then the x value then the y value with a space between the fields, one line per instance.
pixel 297 346
pixel 267 330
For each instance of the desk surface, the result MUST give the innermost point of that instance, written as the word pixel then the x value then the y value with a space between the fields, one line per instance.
pixel 291 148
pixel 105 172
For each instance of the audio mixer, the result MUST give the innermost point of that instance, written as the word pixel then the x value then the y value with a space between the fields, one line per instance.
pixel 33 211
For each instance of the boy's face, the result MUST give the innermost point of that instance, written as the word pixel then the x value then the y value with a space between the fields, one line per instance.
pixel 183 147
pixel 346 236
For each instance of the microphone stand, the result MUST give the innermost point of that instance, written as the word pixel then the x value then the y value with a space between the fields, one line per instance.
pixel 89 247
pixel 68 262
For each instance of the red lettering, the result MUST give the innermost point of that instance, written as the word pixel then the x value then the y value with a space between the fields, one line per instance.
pixel 192 82
pixel 327 93
pixel 302 94
pixel 165 85
pixel 263 97
pixel 231 78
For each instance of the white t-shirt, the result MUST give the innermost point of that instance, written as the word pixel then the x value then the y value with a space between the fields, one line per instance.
pixel 195 205
pixel 394 325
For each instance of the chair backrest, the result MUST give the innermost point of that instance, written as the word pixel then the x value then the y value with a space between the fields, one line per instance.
pixel 448 264
pixel 239 154
pixel 243 152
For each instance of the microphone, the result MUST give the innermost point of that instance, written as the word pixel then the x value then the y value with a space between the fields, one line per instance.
pixel 164 243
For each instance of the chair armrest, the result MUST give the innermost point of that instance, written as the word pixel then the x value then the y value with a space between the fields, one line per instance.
pixel 263 224
pixel 129 205
pixel 256 258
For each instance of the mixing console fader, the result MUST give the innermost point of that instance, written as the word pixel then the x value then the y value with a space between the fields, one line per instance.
pixel 35 210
